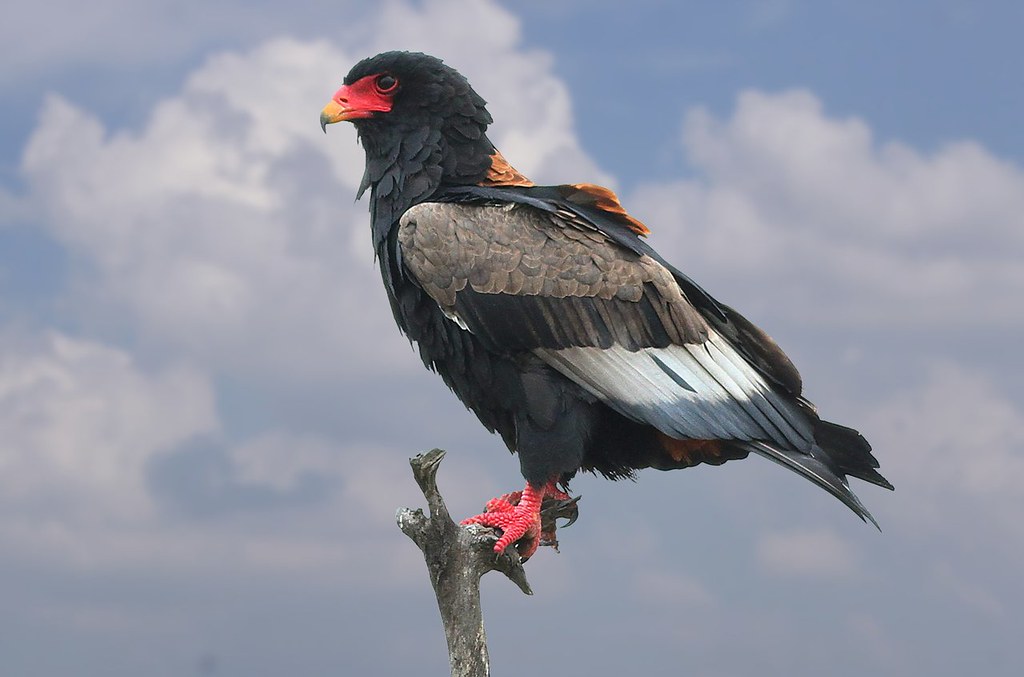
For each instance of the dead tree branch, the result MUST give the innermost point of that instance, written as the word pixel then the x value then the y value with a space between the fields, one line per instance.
pixel 456 558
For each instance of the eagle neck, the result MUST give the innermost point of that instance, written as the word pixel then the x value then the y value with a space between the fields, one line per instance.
pixel 405 169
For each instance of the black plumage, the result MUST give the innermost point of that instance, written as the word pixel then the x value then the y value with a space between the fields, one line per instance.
pixel 550 317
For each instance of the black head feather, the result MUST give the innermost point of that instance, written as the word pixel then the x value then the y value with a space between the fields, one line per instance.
pixel 427 87
pixel 433 136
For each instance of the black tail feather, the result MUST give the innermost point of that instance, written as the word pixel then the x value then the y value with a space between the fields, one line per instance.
pixel 849 452
pixel 839 452
pixel 817 472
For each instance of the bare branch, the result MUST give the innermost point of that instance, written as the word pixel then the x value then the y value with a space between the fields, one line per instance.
pixel 456 558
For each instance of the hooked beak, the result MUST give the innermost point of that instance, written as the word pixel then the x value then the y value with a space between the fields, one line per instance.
pixel 357 101
pixel 335 112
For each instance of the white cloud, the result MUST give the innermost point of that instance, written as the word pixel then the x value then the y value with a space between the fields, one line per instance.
pixel 221 227
pixel 221 234
pixel 806 552
pixel 225 229
pixel 813 209
pixel 955 451
pixel 101 458
pixel 79 421
pixel 88 479
pixel 531 107
pixel 263 460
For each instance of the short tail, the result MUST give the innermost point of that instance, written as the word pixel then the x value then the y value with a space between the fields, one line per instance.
pixel 839 452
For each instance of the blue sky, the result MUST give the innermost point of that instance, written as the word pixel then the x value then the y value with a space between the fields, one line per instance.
pixel 205 409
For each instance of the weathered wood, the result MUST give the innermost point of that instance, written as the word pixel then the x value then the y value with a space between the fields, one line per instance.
pixel 456 558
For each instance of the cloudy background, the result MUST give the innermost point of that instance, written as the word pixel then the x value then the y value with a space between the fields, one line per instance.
pixel 206 411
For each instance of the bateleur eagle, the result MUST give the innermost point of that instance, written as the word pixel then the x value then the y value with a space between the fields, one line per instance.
pixel 550 317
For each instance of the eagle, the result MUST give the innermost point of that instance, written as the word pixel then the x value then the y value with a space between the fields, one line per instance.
pixel 546 312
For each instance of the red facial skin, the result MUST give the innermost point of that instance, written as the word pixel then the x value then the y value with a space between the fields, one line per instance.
pixel 364 98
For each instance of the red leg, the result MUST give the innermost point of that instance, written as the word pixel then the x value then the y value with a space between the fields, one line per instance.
pixel 518 516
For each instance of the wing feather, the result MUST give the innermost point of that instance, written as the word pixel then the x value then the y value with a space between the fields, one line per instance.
pixel 688 392
pixel 614 321
pixel 587 296
pixel 521 278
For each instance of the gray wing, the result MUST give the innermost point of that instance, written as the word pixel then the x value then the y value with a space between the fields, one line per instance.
pixel 613 321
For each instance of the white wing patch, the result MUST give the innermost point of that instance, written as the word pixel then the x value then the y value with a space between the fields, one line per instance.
pixel 694 391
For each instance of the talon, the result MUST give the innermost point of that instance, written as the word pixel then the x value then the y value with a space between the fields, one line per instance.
pixel 569 510
pixel 524 520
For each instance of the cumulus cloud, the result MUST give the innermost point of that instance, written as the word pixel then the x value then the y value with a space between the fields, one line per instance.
pixel 221 235
pixel 218 239
pixel 110 464
pixel 89 481
pixel 956 454
pixel 79 420
pixel 225 229
pixel 787 194
pixel 221 229
pixel 532 110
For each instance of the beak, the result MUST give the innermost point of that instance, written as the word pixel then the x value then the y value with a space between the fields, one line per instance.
pixel 334 112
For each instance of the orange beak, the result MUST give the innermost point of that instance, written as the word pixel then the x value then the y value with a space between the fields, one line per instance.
pixel 335 112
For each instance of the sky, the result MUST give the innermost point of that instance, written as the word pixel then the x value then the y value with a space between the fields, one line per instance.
pixel 206 411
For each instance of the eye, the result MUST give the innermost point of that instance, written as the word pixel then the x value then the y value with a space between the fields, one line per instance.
pixel 386 84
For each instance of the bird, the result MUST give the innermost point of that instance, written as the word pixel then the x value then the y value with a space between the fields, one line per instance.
pixel 547 313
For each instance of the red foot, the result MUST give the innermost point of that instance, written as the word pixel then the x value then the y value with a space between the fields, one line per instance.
pixel 518 516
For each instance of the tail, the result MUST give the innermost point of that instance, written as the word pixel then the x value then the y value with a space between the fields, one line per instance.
pixel 838 451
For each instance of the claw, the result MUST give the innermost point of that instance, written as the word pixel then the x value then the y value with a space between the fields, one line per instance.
pixel 554 508
pixel 528 518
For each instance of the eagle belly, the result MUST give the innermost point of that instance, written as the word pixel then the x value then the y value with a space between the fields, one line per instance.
pixel 546 418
